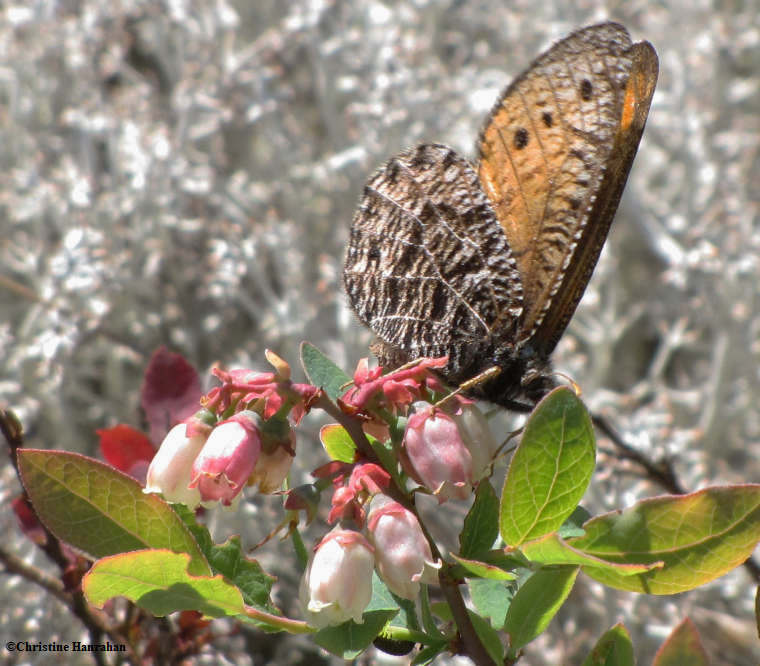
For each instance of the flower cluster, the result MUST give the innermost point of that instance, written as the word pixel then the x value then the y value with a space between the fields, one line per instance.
pixel 446 449
pixel 337 584
pixel 241 437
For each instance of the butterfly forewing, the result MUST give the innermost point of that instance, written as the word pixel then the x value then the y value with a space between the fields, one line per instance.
pixel 636 98
pixel 543 156
pixel 428 267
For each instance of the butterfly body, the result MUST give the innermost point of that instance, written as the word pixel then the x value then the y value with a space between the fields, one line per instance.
pixel 486 263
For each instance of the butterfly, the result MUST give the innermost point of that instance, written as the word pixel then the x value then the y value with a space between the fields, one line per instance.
pixel 485 263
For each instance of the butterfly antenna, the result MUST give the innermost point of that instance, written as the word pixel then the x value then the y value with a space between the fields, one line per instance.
pixel 484 376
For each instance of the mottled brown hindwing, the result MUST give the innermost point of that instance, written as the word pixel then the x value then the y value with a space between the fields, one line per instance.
pixel 428 267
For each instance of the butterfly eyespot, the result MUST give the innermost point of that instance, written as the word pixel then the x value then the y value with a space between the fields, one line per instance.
pixel 521 138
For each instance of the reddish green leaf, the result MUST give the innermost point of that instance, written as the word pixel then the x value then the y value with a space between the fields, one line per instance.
pixel 697 537
pixel 159 582
pixel 99 510
pixel 483 569
pixel 551 549
pixel 683 646
pixel 614 648
pixel 550 470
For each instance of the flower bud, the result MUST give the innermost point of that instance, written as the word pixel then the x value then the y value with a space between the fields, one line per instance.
pixel 402 553
pixel 278 447
pixel 228 458
pixel 337 585
pixel 169 472
pixel 271 469
pixel 438 456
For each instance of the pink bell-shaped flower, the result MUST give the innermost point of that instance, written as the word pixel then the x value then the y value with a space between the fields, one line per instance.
pixel 437 453
pixel 277 453
pixel 402 554
pixel 169 472
pixel 228 458
pixel 337 585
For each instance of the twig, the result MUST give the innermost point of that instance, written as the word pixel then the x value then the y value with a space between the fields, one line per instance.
pixel 94 621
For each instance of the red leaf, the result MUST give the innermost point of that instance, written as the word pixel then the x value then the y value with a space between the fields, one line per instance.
pixel 126 449
pixel 683 646
pixel 171 392
pixel 27 519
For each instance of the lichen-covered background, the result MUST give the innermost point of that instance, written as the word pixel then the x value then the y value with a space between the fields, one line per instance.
pixel 184 173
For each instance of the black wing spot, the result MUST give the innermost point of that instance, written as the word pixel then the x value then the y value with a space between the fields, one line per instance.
pixel 521 138
pixel 547 118
pixel 586 90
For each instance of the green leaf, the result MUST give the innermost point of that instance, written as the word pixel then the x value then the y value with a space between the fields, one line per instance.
pixel 489 637
pixel 573 526
pixel 509 562
pixel 550 549
pixel 614 648
pixel 99 510
pixel 229 560
pixel 683 646
pixel 299 547
pixel 481 523
pixel 158 581
pixel 483 569
pixel 550 469
pixel 427 654
pixel 322 372
pixel 492 599
pixel 349 640
pixel 387 457
pixel 384 599
pixel 536 602
pixel 697 537
pixel 338 443
pixel 427 614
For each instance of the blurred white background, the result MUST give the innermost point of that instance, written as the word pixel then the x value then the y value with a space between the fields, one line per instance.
pixel 185 173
